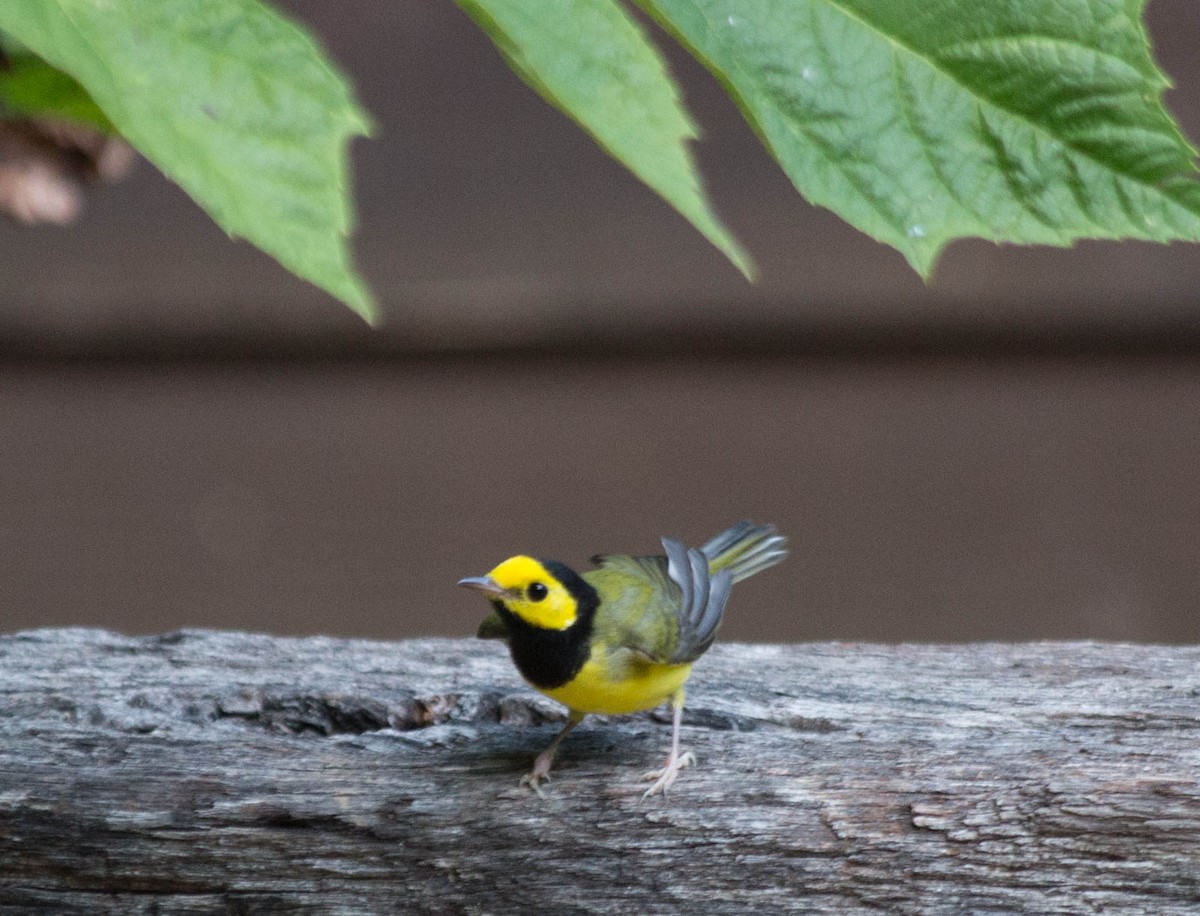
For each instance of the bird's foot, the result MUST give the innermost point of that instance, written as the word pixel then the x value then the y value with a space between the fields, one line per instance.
pixel 539 774
pixel 665 777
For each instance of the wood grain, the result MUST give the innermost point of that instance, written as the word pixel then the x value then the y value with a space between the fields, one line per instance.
pixel 211 772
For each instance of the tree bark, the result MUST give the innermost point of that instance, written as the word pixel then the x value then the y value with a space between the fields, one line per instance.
pixel 217 772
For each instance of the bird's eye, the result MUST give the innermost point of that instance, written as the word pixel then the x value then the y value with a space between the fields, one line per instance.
pixel 537 591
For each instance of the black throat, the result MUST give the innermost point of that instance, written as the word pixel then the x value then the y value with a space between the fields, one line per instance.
pixel 550 658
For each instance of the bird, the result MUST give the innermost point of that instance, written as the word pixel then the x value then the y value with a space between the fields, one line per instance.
pixel 622 637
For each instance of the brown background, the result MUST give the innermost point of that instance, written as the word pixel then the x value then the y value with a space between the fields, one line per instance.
pixel 189 436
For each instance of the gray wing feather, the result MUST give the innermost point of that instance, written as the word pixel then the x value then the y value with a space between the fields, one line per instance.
pixel 678 567
pixel 702 600
pixel 722 585
pixel 699 564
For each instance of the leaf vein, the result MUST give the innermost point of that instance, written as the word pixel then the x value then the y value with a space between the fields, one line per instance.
pixel 1039 129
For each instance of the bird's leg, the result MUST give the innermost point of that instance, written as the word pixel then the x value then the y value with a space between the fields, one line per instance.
pixel 665 777
pixel 541 766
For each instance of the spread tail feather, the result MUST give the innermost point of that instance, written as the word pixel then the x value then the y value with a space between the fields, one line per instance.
pixel 745 549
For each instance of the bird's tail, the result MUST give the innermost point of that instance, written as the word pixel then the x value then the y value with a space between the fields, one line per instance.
pixel 745 549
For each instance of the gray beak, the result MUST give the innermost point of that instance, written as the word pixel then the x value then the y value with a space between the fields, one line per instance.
pixel 483 584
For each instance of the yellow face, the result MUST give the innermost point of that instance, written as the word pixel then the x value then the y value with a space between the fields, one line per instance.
pixel 533 593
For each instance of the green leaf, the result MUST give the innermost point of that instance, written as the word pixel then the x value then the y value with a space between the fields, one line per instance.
pixel 230 100
pixel 919 123
pixel 30 87
pixel 590 59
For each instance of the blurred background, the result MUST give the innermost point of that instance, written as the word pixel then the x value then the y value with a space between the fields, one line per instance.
pixel 191 437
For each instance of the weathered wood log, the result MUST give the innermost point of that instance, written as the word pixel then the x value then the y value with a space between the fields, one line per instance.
pixel 216 772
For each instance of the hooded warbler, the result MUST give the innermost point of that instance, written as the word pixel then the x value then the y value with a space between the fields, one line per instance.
pixel 622 637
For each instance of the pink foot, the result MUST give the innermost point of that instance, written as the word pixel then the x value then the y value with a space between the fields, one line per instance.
pixel 665 777
pixel 539 774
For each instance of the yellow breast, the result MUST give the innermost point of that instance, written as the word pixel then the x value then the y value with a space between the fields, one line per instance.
pixel 608 689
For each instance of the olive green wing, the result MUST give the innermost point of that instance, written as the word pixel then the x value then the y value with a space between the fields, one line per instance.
pixel 637 606
pixel 492 628
pixel 665 608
